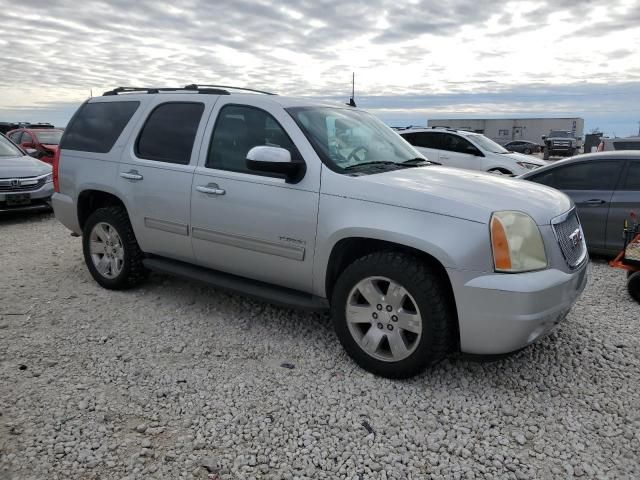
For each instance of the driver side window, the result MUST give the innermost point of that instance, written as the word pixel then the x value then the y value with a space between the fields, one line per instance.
pixel 238 129
pixel 455 143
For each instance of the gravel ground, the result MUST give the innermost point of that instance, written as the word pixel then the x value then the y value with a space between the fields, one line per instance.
pixel 176 380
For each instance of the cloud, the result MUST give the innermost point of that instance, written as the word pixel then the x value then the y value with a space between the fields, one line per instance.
pixel 59 50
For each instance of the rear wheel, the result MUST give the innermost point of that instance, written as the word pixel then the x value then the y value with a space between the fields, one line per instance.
pixel 527 151
pixel 392 314
pixel 110 249
pixel 633 285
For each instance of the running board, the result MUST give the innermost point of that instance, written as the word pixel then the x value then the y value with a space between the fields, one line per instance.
pixel 282 296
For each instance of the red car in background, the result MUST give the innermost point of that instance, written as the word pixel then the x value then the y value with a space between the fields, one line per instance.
pixel 41 143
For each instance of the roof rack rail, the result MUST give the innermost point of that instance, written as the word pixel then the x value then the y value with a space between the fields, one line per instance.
pixel 210 91
pixel 196 86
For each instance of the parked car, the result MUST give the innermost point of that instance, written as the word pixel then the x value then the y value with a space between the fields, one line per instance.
pixel 25 183
pixel 473 151
pixel 41 143
pixel 8 126
pixel 619 143
pixel 523 146
pixel 605 188
pixel 560 143
pixel 317 206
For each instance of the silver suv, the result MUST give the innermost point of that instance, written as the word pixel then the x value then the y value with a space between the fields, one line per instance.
pixel 318 206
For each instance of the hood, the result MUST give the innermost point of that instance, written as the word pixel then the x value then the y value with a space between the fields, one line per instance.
pixel 458 193
pixel 521 157
pixel 26 166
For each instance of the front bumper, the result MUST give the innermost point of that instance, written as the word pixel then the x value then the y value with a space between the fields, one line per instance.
pixel 38 199
pixel 501 313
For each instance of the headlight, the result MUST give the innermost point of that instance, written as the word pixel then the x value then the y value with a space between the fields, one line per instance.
pixel 527 165
pixel 48 178
pixel 516 243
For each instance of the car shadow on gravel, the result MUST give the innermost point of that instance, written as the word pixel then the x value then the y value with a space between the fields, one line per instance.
pixel 17 218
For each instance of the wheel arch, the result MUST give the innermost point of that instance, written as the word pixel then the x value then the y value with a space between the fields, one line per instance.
pixel 346 250
pixel 90 200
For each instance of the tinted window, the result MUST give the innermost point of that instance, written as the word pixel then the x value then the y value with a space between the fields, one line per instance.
pixel 632 182
pixel 455 143
pixel 424 139
pixel 626 145
pixel 97 126
pixel 169 132
pixel 238 129
pixel 26 138
pixel 582 176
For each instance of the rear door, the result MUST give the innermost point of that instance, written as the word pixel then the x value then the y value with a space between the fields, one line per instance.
pixel 156 172
pixel 590 184
pixel 626 199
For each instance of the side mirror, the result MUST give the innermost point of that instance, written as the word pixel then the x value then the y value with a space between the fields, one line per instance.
pixel 544 137
pixel 275 160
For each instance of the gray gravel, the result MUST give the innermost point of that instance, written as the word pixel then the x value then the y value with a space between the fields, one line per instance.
pixel 176 380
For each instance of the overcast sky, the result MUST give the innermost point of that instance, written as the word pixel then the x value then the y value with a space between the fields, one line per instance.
pixel 414 60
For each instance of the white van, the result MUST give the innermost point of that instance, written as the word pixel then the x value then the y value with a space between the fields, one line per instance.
pixel 472 151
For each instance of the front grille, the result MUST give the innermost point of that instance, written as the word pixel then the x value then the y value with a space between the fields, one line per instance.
pixel 561 143
pixel 570 237
pixel 21 184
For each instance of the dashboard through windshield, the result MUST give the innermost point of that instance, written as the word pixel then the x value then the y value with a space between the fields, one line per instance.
pixel 345 138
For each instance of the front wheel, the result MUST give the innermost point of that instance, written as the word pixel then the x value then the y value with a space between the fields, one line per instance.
pixel 633 286
pixel 527 151
pixel 392 314
pixel 110 249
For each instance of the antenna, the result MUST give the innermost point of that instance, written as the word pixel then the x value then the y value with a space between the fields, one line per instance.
pixel 352 102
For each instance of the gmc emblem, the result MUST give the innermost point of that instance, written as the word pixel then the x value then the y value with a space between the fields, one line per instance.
pixel 575 237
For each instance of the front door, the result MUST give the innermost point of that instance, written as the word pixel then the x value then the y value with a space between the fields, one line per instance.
pixel 155 176
pixel 590 184
pixel 626 199
pixel 247 223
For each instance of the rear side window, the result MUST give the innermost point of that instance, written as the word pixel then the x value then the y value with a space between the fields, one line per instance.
pixel 425 140
pixel 169 132
pixel 629 145
pixel 97 126
pixel 632 182
pixel 582 176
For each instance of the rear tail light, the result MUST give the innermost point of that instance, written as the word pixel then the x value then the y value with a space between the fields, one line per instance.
pixel 56 166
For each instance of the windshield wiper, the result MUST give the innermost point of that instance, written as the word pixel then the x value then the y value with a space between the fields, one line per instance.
pixel 418 161
pixel 368 164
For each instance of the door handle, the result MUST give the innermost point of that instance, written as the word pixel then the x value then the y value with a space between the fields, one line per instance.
pixel 595 202
pixel 131 175
pixel 210 189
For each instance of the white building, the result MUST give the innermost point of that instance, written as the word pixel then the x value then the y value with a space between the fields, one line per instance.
pixel 503 130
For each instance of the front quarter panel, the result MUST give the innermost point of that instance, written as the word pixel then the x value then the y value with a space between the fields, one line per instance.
pixel 456 243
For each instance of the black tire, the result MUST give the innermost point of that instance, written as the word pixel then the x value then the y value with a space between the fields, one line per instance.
pixel 431 298
pixel 633 285
pixel 527 151
pixel 133 271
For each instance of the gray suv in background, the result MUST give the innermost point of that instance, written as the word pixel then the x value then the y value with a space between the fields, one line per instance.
pixel 25 183
pixel 318 206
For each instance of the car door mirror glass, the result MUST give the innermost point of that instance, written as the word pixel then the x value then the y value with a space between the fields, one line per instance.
pixel 275 160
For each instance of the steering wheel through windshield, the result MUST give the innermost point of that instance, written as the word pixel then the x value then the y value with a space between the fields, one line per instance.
pixel 353 157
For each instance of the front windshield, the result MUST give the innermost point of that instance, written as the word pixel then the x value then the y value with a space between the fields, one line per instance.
pixel 8 149
pixel 560 133
pixel 49 137
pixel 487 144
pixel 345 138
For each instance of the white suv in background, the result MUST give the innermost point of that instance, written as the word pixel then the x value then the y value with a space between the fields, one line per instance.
pixel 472 151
